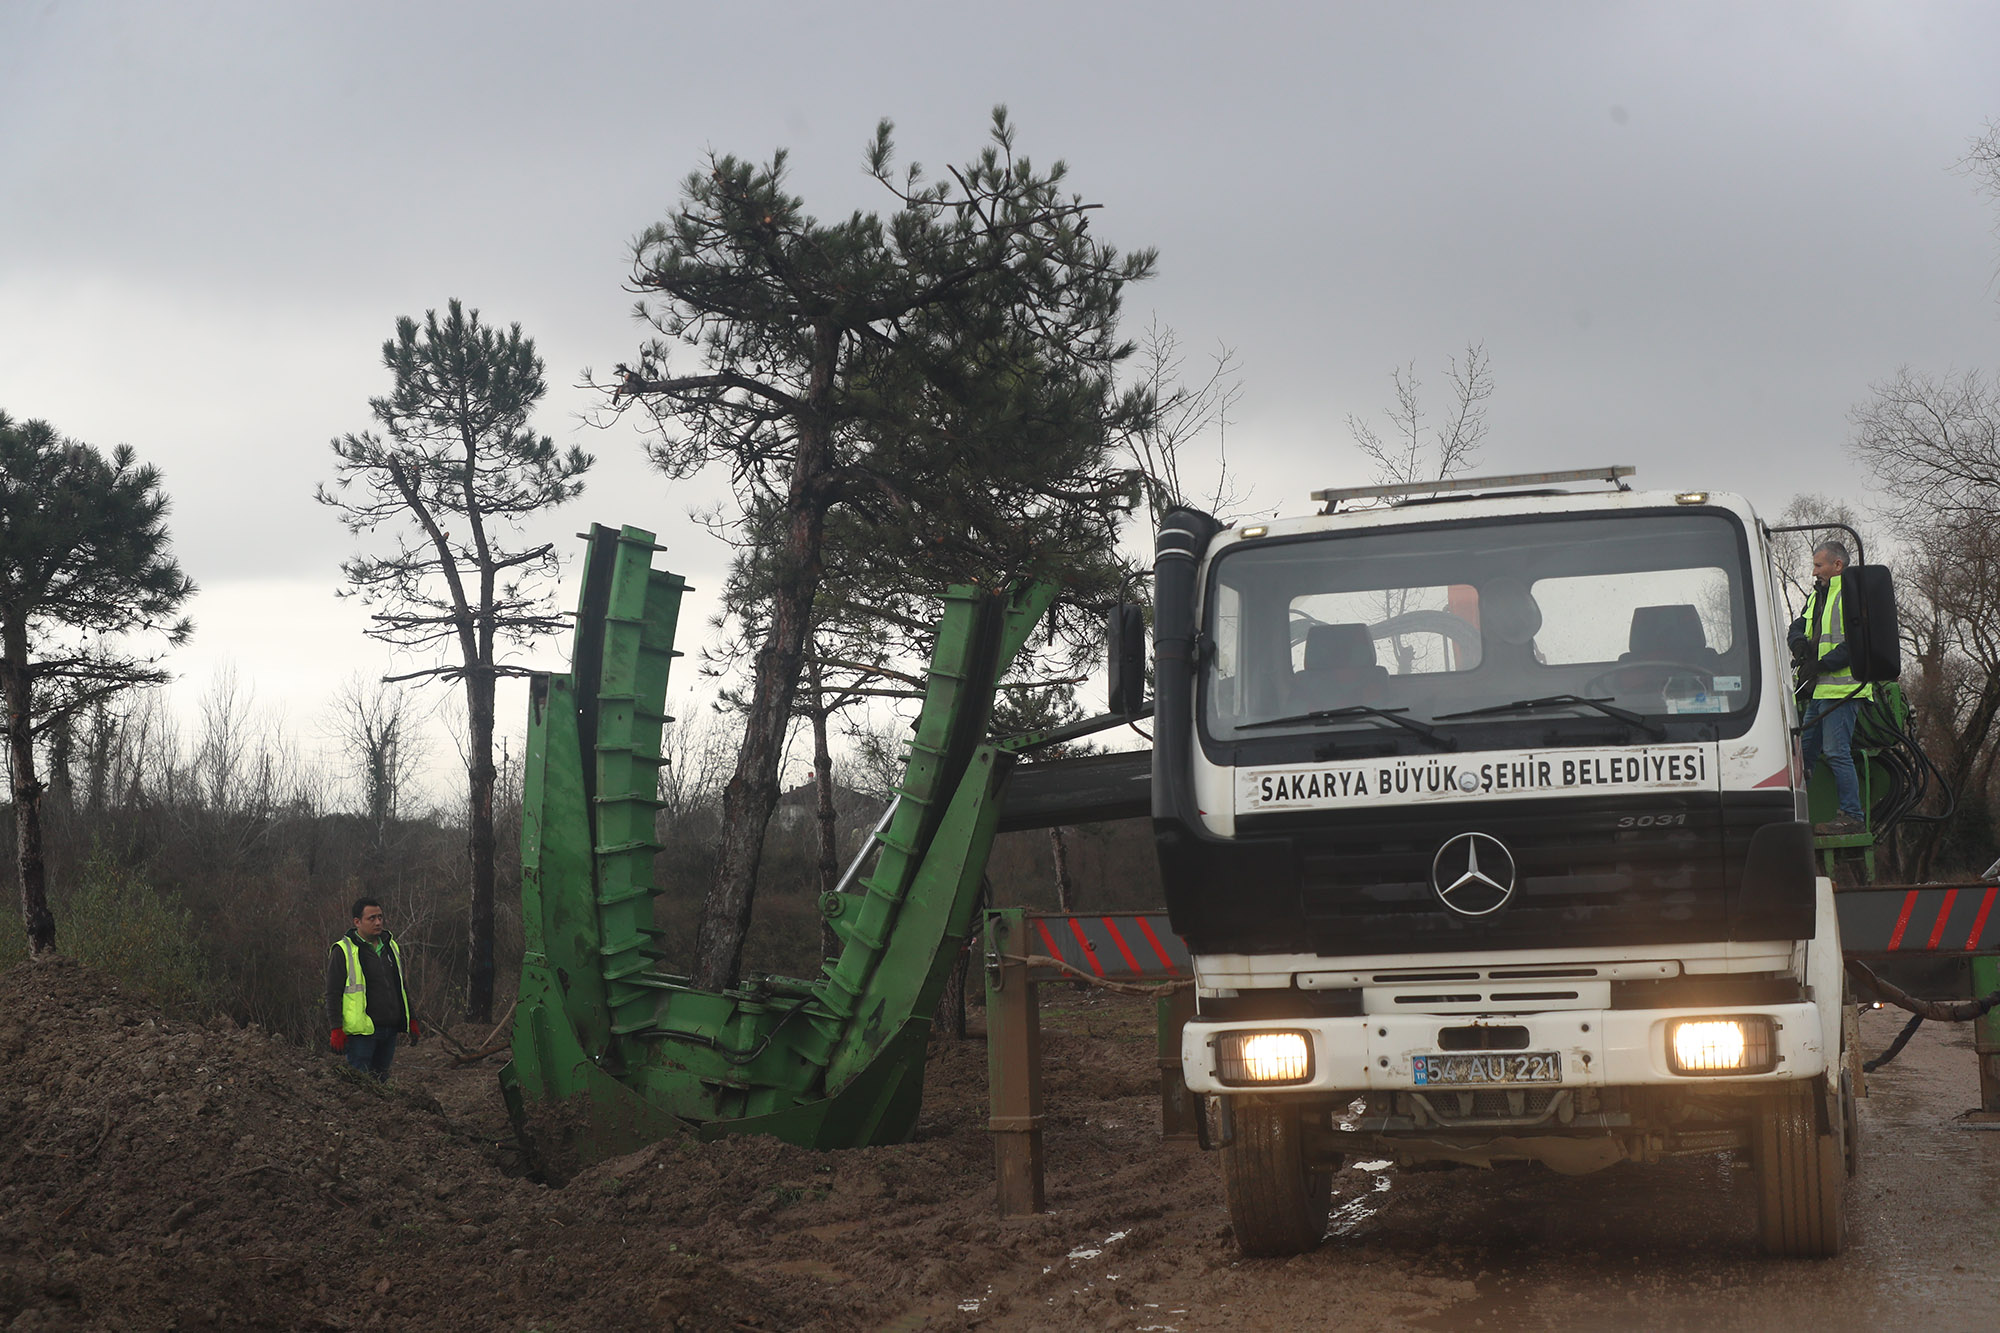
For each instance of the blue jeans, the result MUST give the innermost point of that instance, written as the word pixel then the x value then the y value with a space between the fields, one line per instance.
pixel 371 1054
pixel 1828 732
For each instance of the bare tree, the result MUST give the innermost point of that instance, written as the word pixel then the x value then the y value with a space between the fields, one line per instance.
pixel 455 469
pixel 1949 583
pixel 1411 450
pixel 1982 163
pixel 1793 550
pixel 877 750
pixel 1933 441
pixel 222 741
pixel 100 738
pixel 1186 411
pixel 698 755
pixel 375 726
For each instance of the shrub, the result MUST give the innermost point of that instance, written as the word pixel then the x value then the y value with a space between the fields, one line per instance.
pixel 111 920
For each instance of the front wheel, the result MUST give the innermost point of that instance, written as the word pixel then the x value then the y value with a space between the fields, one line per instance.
pixel 1801 1180
pixel 1278 1199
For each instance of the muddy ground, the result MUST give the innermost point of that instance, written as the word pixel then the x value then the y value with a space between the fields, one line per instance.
pixel 158 1174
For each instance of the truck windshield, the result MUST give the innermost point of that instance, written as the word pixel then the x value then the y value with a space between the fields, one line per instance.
pixel 1537 619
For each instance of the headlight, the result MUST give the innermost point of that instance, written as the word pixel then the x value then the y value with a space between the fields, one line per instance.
pixel 1263 1057
pixel 1721 1045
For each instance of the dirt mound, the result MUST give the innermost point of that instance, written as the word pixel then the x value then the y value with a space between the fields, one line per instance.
pixel 163 1174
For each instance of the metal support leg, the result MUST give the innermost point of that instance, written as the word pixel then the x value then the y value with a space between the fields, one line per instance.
pixel 1180 1110
pixel 1986 1033
pixel 1013 1066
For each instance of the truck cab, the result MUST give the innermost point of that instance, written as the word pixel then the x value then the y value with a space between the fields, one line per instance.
pixel 1479 807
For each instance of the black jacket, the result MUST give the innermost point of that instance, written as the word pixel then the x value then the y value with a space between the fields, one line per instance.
pixel 385 985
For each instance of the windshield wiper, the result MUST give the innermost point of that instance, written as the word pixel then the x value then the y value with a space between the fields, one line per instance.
pixel 1424 729
pixel 1625 715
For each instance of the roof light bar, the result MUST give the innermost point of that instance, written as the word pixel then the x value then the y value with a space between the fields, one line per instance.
pixel 1614 475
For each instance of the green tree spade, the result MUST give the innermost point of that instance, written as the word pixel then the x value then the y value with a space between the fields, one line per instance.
pixel 84 565
pixel 942 379
pixel 456 469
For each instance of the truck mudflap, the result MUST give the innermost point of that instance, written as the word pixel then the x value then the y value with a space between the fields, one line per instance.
pixel 1562 1048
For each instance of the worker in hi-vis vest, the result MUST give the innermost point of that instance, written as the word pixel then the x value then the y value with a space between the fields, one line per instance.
pixel 367 1000
pixel 1833 701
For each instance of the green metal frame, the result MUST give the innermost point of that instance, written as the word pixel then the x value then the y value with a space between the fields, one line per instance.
pixel 1985 971
pixel 832 1062
pixel 1824 804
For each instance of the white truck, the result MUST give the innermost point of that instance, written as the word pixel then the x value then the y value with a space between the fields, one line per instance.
pixel 1480 808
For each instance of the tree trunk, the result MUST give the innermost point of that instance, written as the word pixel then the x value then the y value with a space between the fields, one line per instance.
pixel 40 924
pixel 950 1013
pixel 1059 853
pixel 752 791
pixel 829 829
pixel 1964 772
pixel 97 761
pixel 60 786
pixel 479 685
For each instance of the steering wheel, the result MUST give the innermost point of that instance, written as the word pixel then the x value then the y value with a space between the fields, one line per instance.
pixel 1663 669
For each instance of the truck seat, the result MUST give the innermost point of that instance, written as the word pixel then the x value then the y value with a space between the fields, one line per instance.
pixel 1669 634
pixel 1340 668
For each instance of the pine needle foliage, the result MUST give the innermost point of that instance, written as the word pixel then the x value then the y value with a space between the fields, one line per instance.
pixel 933 390
pixel 452 473
pixel 86 572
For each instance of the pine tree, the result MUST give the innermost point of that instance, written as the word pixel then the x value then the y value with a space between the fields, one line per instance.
pixel 84 567
pixel 455 468
pixel 940 382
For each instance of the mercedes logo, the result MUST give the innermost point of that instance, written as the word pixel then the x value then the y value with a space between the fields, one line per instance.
pixel 1473 874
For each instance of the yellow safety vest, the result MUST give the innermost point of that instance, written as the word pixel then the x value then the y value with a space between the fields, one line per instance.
pixel 354 1019
pixel 1827 621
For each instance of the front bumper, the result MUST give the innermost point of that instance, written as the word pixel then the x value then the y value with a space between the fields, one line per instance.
pixel 1599 1047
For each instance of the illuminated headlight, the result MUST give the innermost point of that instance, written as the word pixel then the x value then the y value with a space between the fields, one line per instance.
pixel 1721 1046
pixel 1263 1057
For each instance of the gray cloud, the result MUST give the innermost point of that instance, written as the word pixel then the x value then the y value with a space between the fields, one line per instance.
pixel 1689 235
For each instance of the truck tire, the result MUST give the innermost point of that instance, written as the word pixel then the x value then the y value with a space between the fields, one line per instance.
pixel 1801 1180
pixel 1853 1078
pixel 1278 1202
pixel 1850 1120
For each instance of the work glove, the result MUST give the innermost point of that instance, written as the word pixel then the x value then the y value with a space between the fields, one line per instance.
pixel 337 1039
pixel 416 1033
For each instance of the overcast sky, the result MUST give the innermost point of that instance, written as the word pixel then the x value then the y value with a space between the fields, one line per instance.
pixel 1690 236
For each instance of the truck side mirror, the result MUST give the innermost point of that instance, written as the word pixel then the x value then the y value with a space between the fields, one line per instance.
pixel 1125 647
pixel 1875 644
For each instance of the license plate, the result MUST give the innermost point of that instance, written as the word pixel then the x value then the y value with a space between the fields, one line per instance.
pixel 1479 1068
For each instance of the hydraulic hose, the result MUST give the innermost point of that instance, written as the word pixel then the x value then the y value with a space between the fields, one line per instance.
pixel 1896 1046
pixel 1938 1011
pixel 1909 769
pixel 1941 1011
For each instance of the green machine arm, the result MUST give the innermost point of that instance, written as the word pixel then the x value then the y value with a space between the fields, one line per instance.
pixel 637 1054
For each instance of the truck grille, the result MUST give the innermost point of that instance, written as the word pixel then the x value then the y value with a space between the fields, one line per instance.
pixel 1588 874
pixel 1578 875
